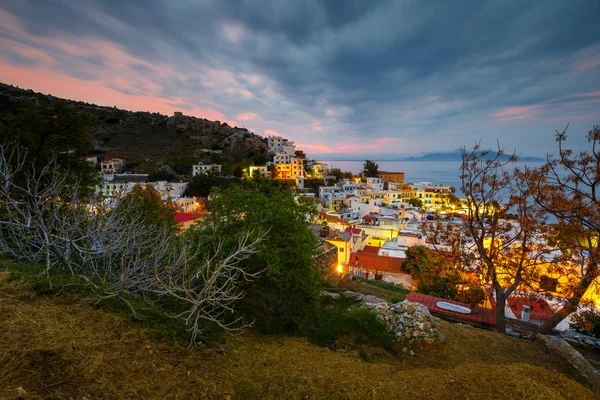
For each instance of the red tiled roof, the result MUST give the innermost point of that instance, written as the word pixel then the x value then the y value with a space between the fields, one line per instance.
pixel 185 217
pixel 540 309
pixel 460 216
pixel 370 250
pixel 370 261
pixel 480 315
pixel 355 231
pixel 368 217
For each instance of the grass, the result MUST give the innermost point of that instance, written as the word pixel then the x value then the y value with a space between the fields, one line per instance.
pixel 386 291
pixel 53 345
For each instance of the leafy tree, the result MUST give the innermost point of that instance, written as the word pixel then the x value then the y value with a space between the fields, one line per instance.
pixel 146 202
pixel 567 187
pixel 434 275
pixel 160 175
pixel 48 129
pixel 313 184
pixel 340 175
pixel 415 202
pixel 452 200
pixel 432 272
pixel 370 169
pixel 238 172
pixel 202 184
pixel 285 295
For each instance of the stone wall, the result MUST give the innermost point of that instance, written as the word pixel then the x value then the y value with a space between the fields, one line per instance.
pixel 326 262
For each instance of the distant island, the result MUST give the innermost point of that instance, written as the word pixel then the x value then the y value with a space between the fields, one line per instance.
pixel 456 155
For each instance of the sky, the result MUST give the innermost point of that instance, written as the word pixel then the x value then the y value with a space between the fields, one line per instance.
pixel 343 79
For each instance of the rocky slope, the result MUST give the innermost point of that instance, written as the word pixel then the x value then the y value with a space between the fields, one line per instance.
pixel 137 136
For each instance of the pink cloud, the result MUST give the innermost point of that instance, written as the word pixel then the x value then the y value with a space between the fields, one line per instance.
pixel 586 64
pixel 114 83
pixel 577 95
pixel 517 113
pixel 246 116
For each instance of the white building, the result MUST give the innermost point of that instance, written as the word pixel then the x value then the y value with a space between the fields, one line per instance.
pixel 262 170
pixel 185 204
pixel 171 190
pixel 111 165
pixel 198 169
pixel 375 184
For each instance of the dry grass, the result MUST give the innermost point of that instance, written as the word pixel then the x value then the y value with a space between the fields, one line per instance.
pixel 58 347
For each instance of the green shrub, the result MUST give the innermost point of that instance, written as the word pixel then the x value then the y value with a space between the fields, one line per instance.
pixel 283 298
pixel 333 321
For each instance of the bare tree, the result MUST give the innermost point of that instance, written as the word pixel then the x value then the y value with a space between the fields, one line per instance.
pixel 503 230
pixel 119 251
pixel 567 186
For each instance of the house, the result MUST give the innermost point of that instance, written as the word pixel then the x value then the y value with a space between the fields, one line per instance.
pixel 185 204
pixel 391 177
pixel 261 170
pixel 375 184
pixel 172 190
pixel 198 169
pixel 288 166
pixel 319 170
pixel 371 264
pixel 348 241
pixel 111 165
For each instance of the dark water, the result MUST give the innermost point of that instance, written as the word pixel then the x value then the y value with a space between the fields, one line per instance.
pixel 437 172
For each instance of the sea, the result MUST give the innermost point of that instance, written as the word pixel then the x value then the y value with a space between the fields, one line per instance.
pixel 437 172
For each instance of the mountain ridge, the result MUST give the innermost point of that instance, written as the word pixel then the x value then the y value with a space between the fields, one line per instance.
pixel 141 135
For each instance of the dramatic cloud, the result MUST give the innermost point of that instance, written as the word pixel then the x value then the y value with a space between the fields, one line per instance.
pixel 360 78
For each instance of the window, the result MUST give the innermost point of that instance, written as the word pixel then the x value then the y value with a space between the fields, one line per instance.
pixel 548 284
pixel 341 249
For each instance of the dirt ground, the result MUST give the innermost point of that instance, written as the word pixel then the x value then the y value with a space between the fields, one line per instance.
pixel 59 347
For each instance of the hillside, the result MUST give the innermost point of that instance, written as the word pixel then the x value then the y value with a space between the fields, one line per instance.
pixel 54 346
pixel 137 136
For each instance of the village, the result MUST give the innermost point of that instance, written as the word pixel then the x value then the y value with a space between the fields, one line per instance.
pixel 370 222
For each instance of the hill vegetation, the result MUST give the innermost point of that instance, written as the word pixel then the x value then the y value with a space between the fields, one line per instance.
pixel 141 136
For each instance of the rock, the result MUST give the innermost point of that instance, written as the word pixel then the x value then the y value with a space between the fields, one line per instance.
pixel 329 294
pixel 373 299
pixel 405 320
pixel 353 295
pixel 21 392
pixel 441 336
pixel 573 357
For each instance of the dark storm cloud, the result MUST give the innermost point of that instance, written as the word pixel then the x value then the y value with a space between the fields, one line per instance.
pixel 327 72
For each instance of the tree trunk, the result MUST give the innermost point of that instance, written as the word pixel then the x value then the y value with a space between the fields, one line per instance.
pixel 568 308
pixel 500 306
